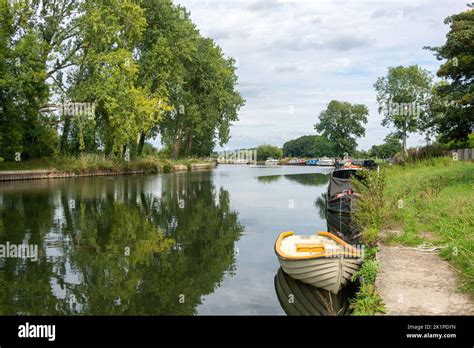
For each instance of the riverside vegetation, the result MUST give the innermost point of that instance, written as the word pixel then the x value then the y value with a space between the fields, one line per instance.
pixel 435 207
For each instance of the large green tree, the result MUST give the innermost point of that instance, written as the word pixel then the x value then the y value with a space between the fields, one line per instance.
pixel 265 151
pixel 453 110
pixel 198 81
pixel 143 64
pixel 308 146
pixel 404 96
pixel 342 123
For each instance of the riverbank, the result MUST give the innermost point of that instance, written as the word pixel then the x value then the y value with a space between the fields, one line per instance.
pixel 424 212
pixel 430 204
pixel 93 165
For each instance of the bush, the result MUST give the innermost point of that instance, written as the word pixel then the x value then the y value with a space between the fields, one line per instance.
pixel 370 207
pixel 166 167
pixel 428 151
pixel 367 272
pixel 265 151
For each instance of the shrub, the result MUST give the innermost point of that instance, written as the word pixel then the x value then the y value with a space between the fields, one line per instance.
pixel 166 167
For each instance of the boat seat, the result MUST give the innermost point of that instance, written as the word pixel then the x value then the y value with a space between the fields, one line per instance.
pixel 309 247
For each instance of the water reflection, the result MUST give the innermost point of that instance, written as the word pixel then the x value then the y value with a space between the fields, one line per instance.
pixel 128 245
pixel 298 298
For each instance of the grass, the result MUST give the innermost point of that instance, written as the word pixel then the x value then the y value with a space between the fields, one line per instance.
pixel 90 163
pixel 367 300
pixel 432 201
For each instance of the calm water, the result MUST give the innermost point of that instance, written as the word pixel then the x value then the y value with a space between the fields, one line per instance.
pixel 187 243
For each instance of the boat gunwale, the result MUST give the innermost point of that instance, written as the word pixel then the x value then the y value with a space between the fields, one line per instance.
pixel 355 254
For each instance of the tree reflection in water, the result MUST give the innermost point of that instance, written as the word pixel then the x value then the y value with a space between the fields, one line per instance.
pixel 122 245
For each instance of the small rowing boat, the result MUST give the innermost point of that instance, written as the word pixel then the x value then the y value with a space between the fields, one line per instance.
pixel 321 260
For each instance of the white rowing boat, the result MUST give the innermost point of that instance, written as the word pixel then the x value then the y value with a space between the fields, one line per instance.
pixel 321 260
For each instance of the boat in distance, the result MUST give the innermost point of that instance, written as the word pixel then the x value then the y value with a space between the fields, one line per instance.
pixel 271 162
pixel 321 260
pixel 326 162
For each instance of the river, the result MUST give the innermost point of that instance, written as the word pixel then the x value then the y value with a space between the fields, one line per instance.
pixel 176 244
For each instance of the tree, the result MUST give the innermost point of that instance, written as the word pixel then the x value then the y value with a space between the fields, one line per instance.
pixel 388 149
pixel 308 146
pixel 200 83
pixel 453 113
pixel 404 96
pixel 265 151
pixel 23 88
pixel 341 123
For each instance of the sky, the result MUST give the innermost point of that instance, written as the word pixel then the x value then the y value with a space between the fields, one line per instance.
pixel 294 57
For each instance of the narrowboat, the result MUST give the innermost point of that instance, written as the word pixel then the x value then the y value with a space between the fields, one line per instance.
pixel 327 162
pixel 312 162
pixel 341 196
pixel 296 162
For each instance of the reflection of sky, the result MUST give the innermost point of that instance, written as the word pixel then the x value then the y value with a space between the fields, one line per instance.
pixel 263 209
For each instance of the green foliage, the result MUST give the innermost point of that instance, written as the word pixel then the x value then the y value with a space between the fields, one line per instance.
pixel 426 152
pixel 144 66
pixel 341 123
pixel 265 151
pixel 367 272
pixel 370 207
pixel 166 167
pixel 404 96
pixel 388 149
pixel 308 146
pixel 149 150
pixel 453 108
pixel 368 301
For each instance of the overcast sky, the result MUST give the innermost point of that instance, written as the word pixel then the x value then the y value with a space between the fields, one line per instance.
pixel 295 56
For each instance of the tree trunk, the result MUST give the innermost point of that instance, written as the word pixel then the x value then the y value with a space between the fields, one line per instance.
pixel 177 145
pixel 190 143
pixel 405 150
pixel 64 136
pixel 141 143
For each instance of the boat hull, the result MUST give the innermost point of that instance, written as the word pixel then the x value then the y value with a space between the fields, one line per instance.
pixel 342 204
pixel 331 273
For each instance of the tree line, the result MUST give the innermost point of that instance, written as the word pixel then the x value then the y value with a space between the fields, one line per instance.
pixel 142 64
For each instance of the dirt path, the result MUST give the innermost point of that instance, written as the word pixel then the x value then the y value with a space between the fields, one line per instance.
pixel 413 282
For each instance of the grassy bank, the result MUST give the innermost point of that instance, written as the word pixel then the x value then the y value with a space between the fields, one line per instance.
pixel 94 163
pixel 432 202
pixel 424 204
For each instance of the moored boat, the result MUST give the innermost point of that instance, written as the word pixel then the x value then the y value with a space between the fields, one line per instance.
pixel 271 161
pixel 312 162
pixel 296 162
pixel 325 161
pixel 341 196
pixel 321 260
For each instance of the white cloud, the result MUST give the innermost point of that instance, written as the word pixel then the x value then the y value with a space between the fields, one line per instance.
pixel 296 56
